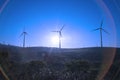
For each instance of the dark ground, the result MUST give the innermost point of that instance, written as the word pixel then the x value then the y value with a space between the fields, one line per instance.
pixel 44 63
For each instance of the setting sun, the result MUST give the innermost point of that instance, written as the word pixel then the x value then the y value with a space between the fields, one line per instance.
pixel 55 40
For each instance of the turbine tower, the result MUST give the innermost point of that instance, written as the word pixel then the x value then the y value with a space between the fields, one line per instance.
pixel 24 33
pixel 60 34
pixel 101 29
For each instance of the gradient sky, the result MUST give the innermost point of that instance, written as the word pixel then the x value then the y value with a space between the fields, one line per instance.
pixel 40 17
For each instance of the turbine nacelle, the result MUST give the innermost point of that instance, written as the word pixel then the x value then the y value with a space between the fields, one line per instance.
pixel 101 30
pixel 24 33
pixel 60 31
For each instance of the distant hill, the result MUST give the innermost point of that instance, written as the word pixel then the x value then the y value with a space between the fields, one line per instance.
pixel 38 53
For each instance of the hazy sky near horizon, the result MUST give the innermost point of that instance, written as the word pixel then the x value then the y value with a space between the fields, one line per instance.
pixel 40 17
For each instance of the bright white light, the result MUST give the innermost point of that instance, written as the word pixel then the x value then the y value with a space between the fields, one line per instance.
pixel 55 40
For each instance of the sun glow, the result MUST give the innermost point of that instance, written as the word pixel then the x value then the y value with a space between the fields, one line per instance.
pixel 55 39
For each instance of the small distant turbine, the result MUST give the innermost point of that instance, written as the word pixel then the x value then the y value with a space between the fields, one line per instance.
pixel 60 35
pixel 101 29
pixel 24 33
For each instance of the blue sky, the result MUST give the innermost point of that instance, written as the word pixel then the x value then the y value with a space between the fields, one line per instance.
pixel 40 17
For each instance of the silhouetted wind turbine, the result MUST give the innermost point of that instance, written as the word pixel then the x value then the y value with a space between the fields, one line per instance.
pixel 101 29
pixel 24 33
pixel 60 34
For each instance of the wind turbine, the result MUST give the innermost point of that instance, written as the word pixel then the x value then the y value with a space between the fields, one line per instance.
pixel 101 29
pixel 24 33
pixel 60 34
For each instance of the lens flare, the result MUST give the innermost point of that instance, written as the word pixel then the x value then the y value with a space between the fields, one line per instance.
pixel 3 6
pixel 108 55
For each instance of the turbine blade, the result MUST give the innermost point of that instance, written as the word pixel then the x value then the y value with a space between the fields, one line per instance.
pixel 55 31
pixel 105 31
pixel 24 29
pixel 62 27
pixel 101 23
pixel 96 29
pixel 60 34
pixel 21 34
